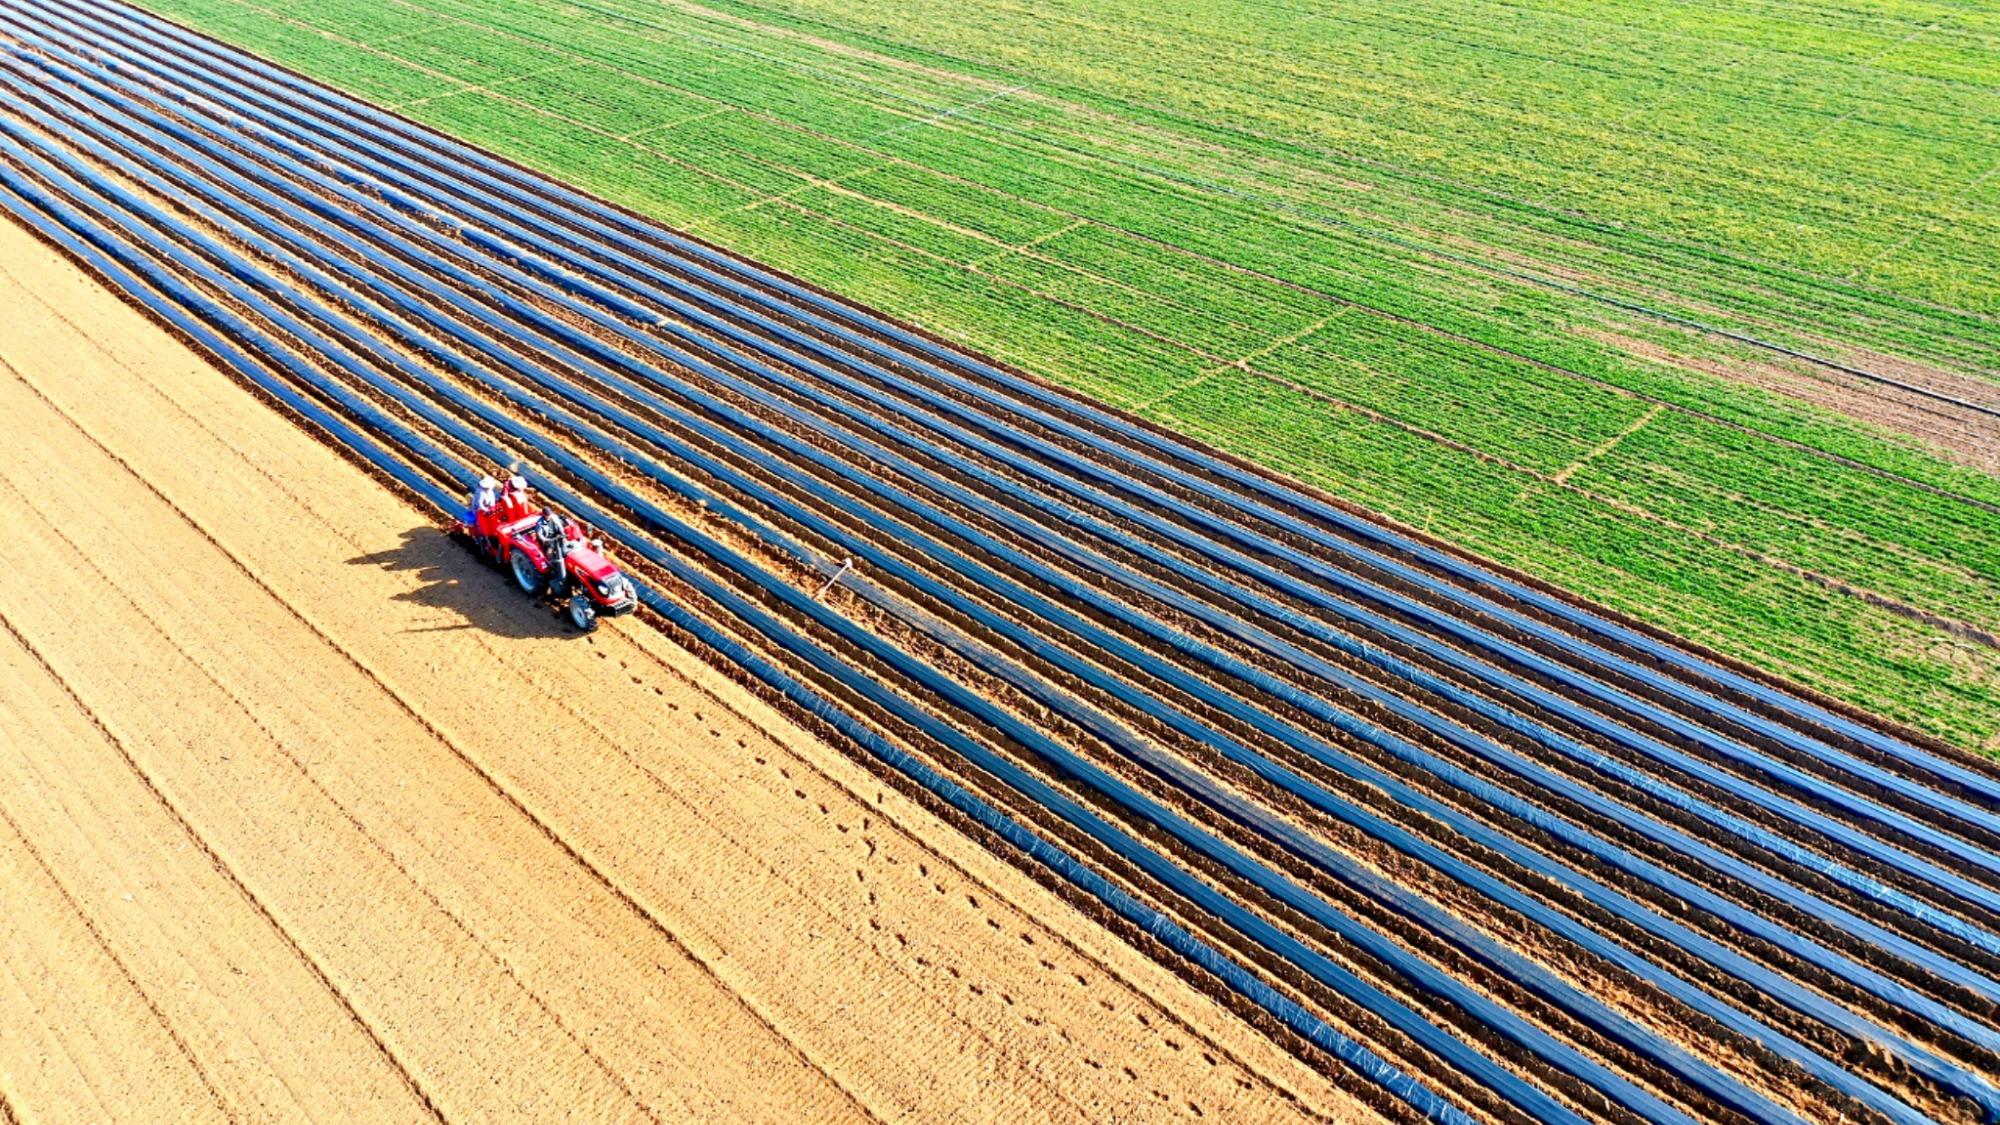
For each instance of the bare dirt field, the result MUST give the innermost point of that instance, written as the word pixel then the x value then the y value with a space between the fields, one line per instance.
pixel 304 814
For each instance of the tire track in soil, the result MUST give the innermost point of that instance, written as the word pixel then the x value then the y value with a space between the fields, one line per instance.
pixel 697 811
pixel 1095 961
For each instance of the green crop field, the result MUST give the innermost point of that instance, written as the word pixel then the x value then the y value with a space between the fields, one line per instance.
pixel 1504 271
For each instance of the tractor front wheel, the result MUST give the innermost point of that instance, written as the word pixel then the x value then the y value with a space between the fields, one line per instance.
pixel 526 575
pixel 582 613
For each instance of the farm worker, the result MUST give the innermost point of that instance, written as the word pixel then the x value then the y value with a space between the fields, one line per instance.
pixel 485 495
pixel 516 500
pixel 550 535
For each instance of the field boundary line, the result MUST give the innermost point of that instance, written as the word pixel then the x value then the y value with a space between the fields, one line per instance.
pixel 1376 415
pixel 1010 283
pixel 1018 248
pixel 1607 445
pixel 828 183
pixel 632 138
pixel 955 111
pixel 1181 388
pixel 1074 306
pixel 480 88
pixel 1241 364
pixel 1244 363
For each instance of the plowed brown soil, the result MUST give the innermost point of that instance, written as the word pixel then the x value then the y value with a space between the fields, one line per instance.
pixel 304 814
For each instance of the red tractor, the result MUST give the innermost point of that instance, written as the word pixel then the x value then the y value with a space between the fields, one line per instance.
pixel 548 553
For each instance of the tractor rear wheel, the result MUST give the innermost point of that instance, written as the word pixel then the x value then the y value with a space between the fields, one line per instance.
pixel 582 613
pixel 526 575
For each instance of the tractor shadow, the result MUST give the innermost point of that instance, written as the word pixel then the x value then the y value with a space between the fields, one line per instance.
pixel 454 580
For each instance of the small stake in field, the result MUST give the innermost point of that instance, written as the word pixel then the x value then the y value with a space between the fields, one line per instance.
pixel 846 565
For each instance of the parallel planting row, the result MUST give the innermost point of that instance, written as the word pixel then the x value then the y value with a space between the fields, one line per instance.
pixel 1498 856
pixel 1199 235
pixel 1433 821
